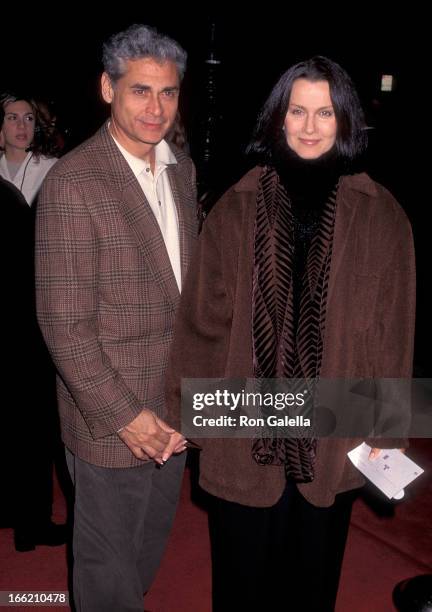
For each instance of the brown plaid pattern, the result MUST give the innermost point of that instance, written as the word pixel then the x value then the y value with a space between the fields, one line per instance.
pixel 106 293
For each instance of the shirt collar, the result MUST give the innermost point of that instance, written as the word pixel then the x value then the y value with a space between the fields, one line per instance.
pixel 163 157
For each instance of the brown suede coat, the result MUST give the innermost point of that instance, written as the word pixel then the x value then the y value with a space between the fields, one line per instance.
pixel 369 327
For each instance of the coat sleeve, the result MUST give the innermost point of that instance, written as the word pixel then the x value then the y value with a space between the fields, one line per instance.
pixel 203 323
pixel 67 301
pixel 394 331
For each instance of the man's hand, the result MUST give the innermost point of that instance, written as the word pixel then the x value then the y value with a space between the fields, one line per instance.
pixel 148 436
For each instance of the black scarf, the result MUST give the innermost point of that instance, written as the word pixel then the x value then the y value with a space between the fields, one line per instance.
pixel 293 245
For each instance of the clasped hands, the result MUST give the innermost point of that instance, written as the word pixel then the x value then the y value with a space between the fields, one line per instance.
pixel 148 436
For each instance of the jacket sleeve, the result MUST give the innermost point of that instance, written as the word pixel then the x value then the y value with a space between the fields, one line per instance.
pixel 67 301
pixel 394 330
pixel 203 323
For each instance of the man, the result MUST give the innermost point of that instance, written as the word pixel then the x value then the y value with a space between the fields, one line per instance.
pixel 115 227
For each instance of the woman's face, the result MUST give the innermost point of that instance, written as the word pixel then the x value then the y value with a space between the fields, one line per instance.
pixel 18 126
pixel 310 123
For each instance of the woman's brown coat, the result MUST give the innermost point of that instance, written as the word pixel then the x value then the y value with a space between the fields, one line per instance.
pixel 369 327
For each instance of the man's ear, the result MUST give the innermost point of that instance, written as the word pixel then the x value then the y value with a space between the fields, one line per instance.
pixel 106 88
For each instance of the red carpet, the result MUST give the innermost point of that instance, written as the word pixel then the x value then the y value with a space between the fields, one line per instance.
pixel 381 551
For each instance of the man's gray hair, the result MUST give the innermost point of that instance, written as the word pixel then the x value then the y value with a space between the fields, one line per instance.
pixel 138 42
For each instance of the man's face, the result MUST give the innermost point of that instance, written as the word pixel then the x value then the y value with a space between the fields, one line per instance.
pixel 143 104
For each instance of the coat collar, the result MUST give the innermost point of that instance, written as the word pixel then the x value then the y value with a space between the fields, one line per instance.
pixel 361 183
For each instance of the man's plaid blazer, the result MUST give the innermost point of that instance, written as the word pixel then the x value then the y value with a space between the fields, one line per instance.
pixel 106 292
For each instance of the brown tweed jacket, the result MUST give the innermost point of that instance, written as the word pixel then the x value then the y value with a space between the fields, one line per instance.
pixel 369 326
pixel 106 292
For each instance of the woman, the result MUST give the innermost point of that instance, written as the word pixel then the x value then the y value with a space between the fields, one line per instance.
pixel 304 268
pixel 25 162
pixel 28 149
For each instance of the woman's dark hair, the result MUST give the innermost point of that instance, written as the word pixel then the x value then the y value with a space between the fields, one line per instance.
pixel 44 141
pixel 351 138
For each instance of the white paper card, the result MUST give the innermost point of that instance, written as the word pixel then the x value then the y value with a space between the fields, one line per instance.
pixel 391 471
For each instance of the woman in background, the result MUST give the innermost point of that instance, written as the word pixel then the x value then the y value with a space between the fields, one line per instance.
pixel 28 407
pixel 28 149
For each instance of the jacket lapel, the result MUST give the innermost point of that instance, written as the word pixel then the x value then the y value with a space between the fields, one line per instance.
pixel 141 219
pixel 149 238
pixel 348 216
pixel 342 235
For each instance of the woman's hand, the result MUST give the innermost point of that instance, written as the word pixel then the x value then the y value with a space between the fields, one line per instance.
pixel 376 451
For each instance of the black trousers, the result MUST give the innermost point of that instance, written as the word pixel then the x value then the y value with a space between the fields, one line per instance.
pixel 27 476
pixel 122 520
pixel 286 557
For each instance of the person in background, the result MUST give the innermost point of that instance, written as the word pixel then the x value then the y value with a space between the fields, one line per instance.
pixel 28 404
pixel 177 135
pixel 304 269
pixel 28 149
pixel 49 126
pixel 116 221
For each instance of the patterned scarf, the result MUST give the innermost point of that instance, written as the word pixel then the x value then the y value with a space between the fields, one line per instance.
pixel 287 327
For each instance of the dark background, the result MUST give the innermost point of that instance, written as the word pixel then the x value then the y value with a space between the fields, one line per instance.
pixel 58 57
